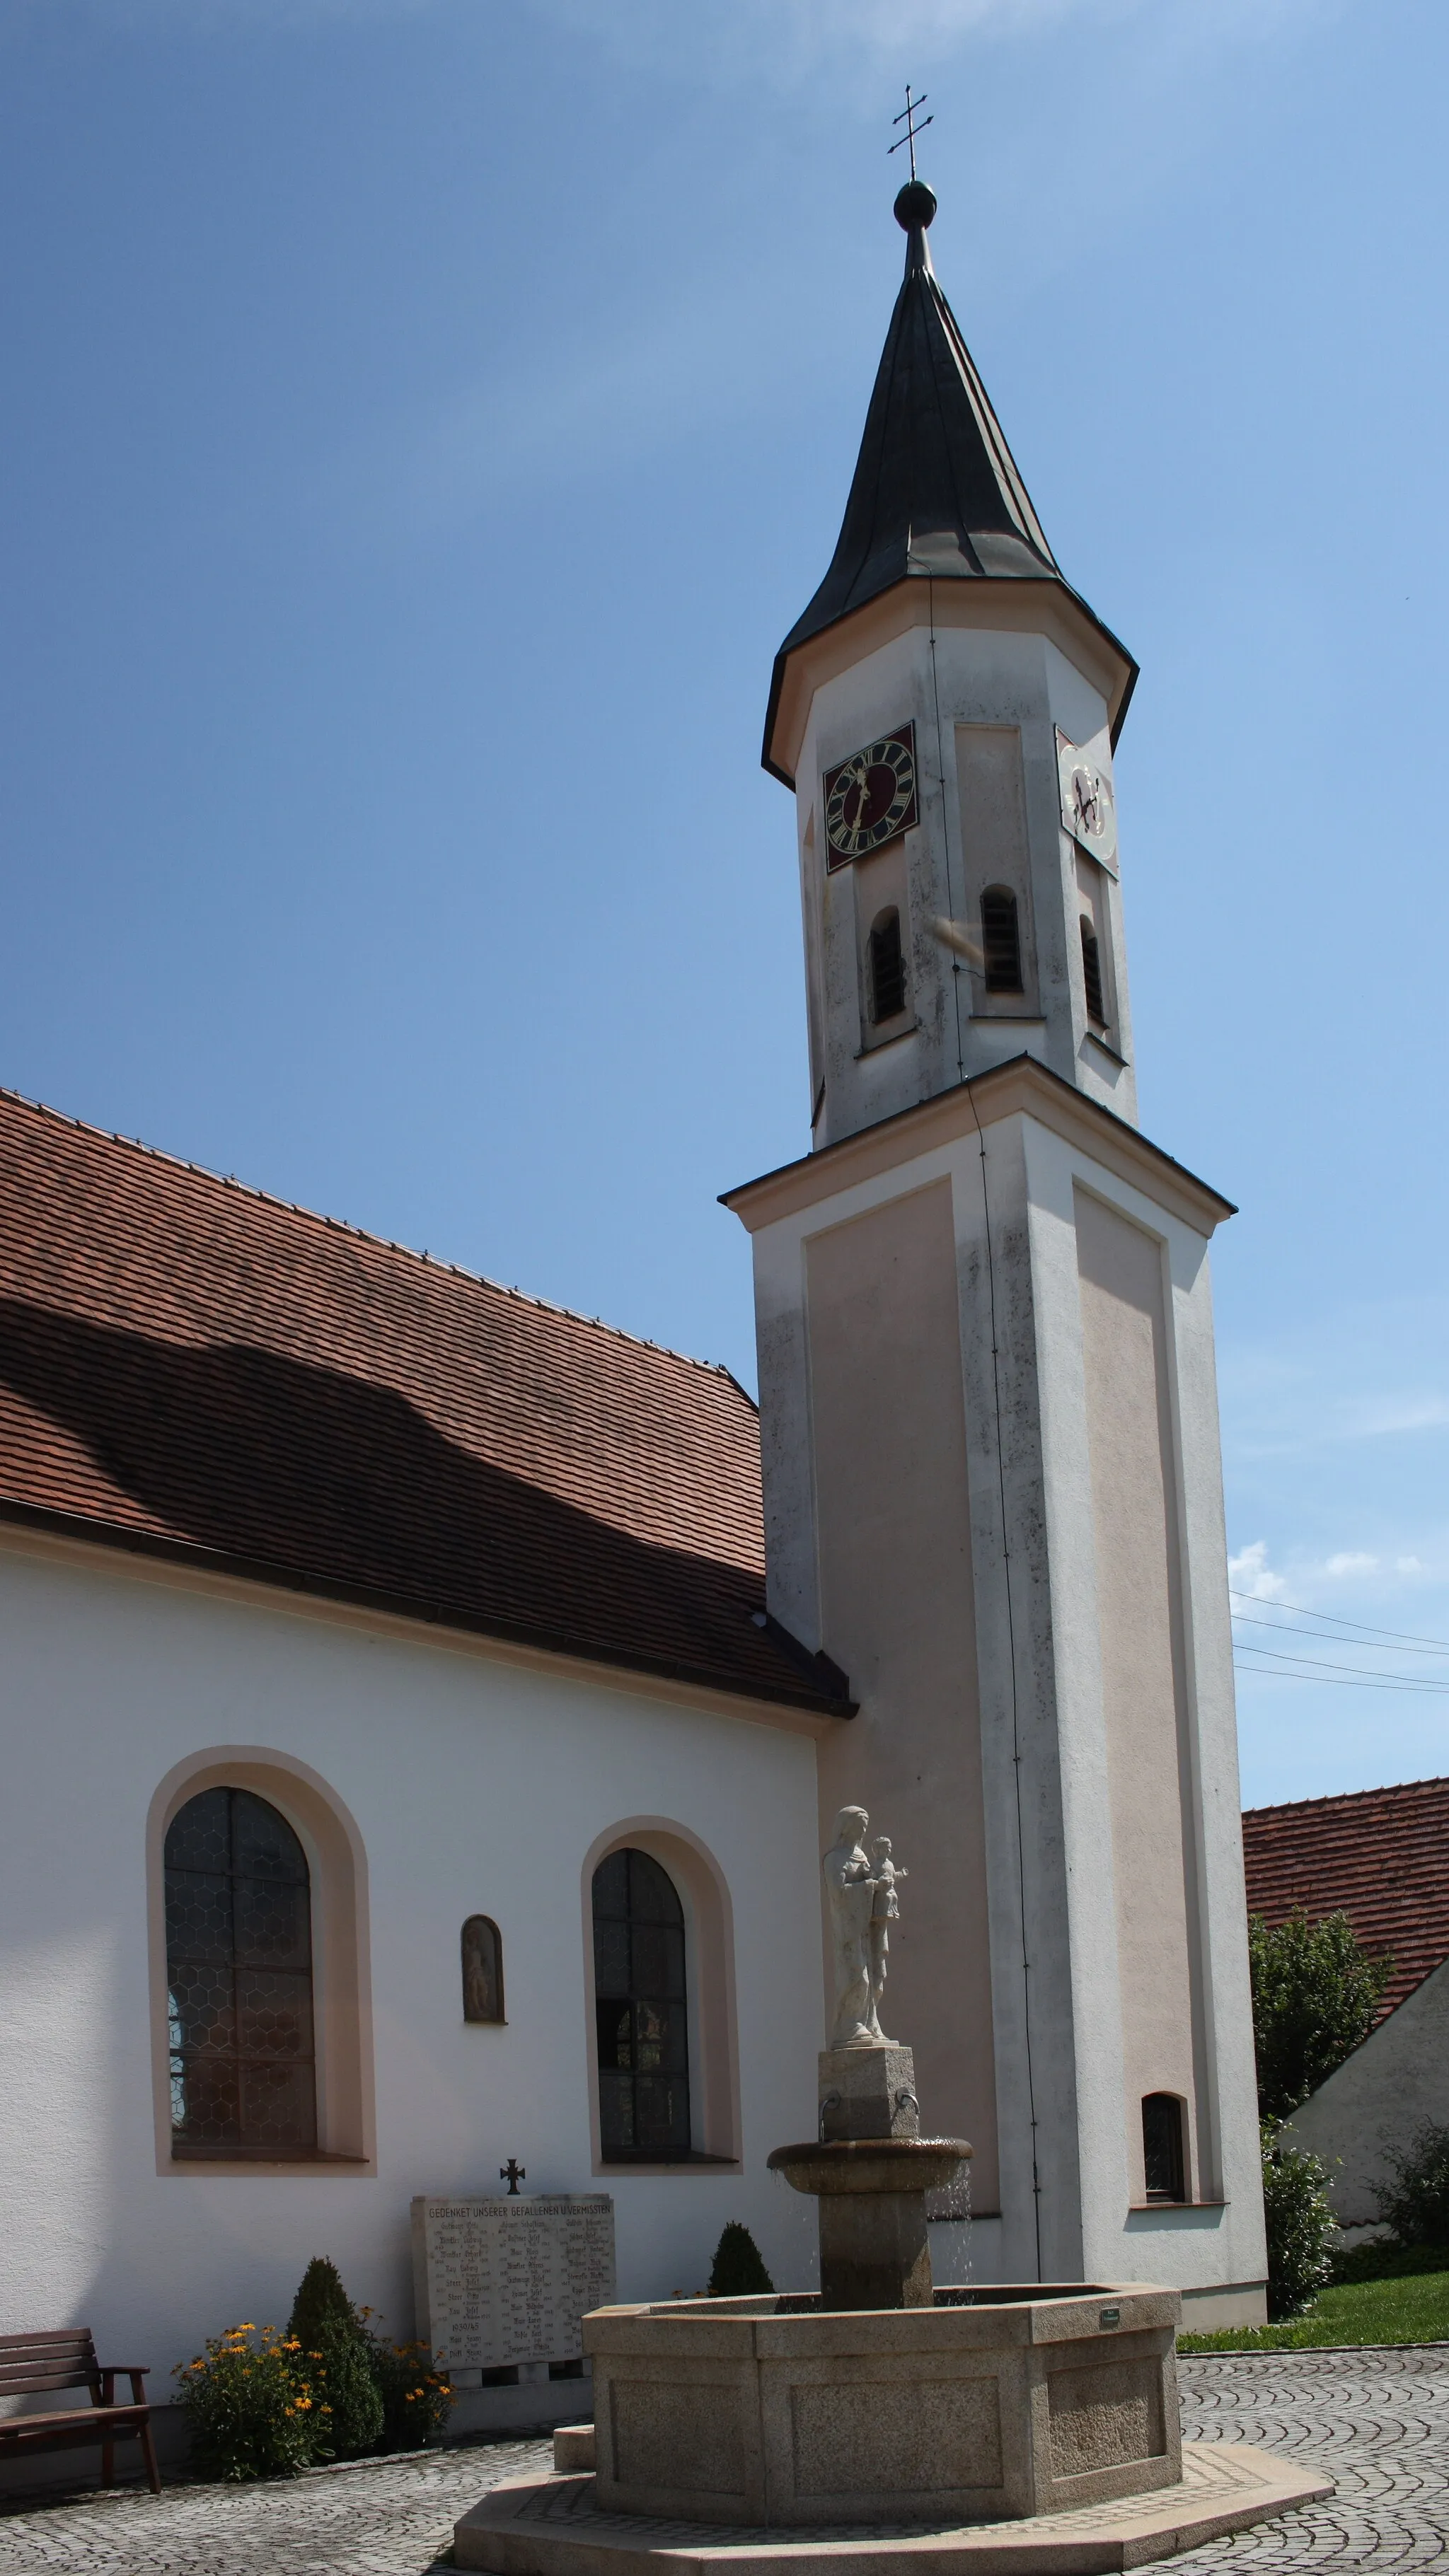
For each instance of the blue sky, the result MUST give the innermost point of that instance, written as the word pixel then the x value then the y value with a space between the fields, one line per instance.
pixel 423 419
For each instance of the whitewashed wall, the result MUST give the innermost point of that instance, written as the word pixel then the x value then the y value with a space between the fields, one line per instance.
pixel 477 1786
pixel 1378 2099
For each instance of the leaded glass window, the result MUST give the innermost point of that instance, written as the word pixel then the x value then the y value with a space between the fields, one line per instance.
pixel 239 1980
pixel 640 2008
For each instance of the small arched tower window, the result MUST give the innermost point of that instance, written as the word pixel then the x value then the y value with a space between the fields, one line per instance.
pixel 1000 940
pixel 640 2009
pixel 1162 2157
pixel 482 1969
pixel 1092 976
pixel 239 1980
pixel 887 968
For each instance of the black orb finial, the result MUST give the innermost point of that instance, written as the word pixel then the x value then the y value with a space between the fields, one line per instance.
pixel 915 206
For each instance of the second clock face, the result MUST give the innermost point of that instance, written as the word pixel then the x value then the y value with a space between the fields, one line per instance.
pixel 871 798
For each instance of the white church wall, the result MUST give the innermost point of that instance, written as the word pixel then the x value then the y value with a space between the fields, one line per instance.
pixel 476 1785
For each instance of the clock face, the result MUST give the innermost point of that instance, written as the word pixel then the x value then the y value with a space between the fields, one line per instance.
pixel 871 798
pixel 1088 810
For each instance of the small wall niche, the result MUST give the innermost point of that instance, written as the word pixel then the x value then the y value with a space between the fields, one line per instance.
pixel 482 1945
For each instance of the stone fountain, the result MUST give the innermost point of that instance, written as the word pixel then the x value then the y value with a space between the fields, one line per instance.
pixel 1031 2427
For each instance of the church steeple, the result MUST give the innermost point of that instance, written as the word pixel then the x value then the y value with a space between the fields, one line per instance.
pixel 936 492
pixel 945 711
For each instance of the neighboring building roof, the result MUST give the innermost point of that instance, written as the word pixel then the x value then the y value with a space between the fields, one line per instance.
pixel 1380 1856
pixel 936 493
pixel 193 1369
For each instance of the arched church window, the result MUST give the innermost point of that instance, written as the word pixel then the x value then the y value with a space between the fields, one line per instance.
pixel 887 968
pixel 640 2008
pixel 482 1970
pixel 1000 940
pixel 1162 2157
pixel 1092 975
pixel 239 1980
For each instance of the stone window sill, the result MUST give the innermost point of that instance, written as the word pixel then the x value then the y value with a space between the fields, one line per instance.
pixel 239 2160
pixel 1098 1040
pixel 694 2162
pixel 1151 2208
pixel 893 1038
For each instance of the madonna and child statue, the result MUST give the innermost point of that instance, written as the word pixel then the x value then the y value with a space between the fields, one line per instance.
pixel 863 1905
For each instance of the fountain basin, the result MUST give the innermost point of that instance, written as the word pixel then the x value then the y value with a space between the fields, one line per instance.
pixel 874 2248
pixel 780 2410
pixel 872 2164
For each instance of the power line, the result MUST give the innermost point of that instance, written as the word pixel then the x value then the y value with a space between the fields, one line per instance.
pixel 1281 1629
pixel 1332 1616
pixel 1326 1673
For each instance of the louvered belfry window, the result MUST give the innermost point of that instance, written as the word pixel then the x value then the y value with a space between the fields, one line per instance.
pixel 239 1980
pixel 1092 975
pixel 640 2009
pixel 1000 940
pixel 1162 2154
pixel 887 969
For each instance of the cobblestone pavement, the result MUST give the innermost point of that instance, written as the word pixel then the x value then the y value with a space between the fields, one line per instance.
pixel 1378 2422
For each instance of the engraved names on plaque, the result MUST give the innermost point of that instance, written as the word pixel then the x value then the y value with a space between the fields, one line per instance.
pixel 507 2280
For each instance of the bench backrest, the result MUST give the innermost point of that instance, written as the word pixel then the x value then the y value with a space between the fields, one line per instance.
pixel 31 2362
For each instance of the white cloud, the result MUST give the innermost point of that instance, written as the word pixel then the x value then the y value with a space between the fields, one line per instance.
pixel 1348 1562
pixel 1249 1572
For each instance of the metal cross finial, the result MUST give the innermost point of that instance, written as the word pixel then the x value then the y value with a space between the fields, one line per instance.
pixel 513 2173
pixel 907 118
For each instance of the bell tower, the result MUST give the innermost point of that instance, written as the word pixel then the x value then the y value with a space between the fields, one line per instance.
pixel 945 711
pixel 993 1484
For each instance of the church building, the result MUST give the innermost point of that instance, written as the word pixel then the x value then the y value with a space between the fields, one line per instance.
pixel 425 1709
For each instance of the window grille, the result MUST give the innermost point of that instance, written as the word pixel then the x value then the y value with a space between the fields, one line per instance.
pixel 887 969
pixel 1092 975
pixel 1162 2155
pixel 482 1970
pixel 239 1980
pixel 640 2009
pixel 1001 940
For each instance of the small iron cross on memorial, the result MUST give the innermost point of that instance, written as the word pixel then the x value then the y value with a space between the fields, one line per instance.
pixel 513 2173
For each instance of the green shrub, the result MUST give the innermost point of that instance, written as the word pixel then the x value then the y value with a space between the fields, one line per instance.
pixel 1415 2203
pixel 738 2271
pixel 252 2408
pixel 1300 2225
pixel 1315 1998
pixel 338 2354
pixel 321 2301
pixel 416 2399
pixel 1383 2260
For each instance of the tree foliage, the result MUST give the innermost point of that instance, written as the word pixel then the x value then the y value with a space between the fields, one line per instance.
pixel 1415 2201
pixel 1315 1996
pixel 1300 2224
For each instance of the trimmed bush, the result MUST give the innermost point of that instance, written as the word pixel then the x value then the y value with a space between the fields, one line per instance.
pixel 251 2407
pixel 338 2354
pixel 1415 2204
pixel 738 2271
pixel 1300 2222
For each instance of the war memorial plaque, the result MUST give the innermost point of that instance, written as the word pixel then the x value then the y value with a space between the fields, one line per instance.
pixel 500 2281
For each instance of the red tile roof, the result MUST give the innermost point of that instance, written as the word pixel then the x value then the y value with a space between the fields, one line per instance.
pixel 1380 1856
pixel 191 1368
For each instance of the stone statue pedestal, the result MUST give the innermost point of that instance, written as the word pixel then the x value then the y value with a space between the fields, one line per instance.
pixel 868 2093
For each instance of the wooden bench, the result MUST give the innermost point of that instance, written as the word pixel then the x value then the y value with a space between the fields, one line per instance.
pixel 31 2364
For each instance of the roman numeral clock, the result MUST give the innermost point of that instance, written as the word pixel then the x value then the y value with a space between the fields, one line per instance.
pixel 871 798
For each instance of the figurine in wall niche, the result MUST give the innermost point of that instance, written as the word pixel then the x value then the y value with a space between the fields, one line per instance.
pixel 885 1910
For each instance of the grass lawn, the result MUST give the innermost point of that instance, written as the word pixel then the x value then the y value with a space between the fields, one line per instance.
pixel 1410 2308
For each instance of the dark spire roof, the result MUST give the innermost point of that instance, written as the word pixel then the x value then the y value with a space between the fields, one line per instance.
pixel 936 492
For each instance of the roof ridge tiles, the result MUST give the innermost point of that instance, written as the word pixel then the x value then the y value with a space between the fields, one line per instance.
pixel 1347 1797
pixel 363 1234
